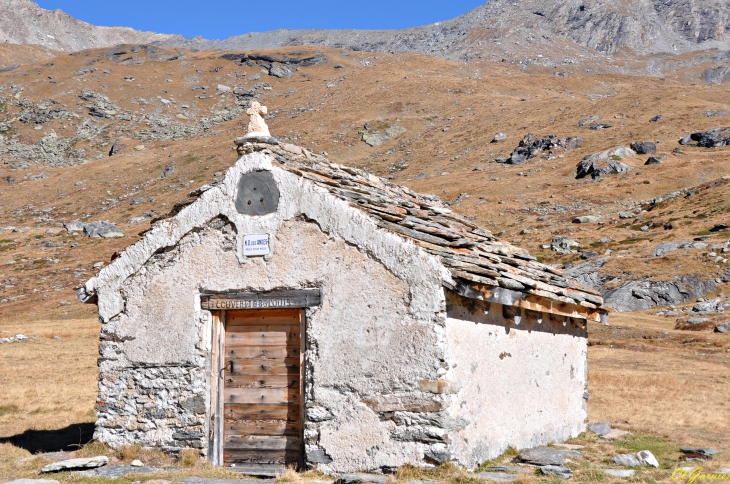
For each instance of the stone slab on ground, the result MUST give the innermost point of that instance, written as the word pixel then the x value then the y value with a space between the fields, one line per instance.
pixel 122 470
pixel 623 473
pixel 32 481
pixel 73 464
pixel 361 478
pixel 506 468
pixel 600 428
pixel 708 451
pixel 616 434
pixel 208 480
pixel 569 446
pixel 626 460
pixel 546 456
pixel 559 471
pixel 497 476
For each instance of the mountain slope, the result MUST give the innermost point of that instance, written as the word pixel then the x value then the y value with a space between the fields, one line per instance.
pixel 645 27
pixel 24 22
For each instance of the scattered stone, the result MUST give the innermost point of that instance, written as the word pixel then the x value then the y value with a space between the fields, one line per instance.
pixel 706 451
pixel 644 147
pixel 647 458
pixel 587 219
pixel 719 228
pixel 626 460
pixel 653 160
pixel 615 434
pixel 167 171
pixel 530 146
pixel 136 463
pixel 547 456
pixel 560 471
pixel 376 133
pixel 712 138
pixel 210 480
pixel 600 428
pixel 622 473
pixel 708 306
pixel 722 328
pixel 588 254
pixel 497 476
pixel 499 137
pixel 73 464
pixel 589 120
pixel 222 88
pixel 656 118
pixel 32 481
pixel 103 229
pixel 605 163
pixel 597 126
pixel 563 245
pixel 361 478
pixel 281 72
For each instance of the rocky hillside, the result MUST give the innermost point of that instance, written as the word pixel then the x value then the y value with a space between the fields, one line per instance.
pixel 24 22
pixel 585 171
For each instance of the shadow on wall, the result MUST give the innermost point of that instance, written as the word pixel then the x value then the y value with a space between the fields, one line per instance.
pixel 67 439
pixel 505 317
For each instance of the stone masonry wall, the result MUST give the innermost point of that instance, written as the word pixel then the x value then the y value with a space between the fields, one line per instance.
pixel 162 406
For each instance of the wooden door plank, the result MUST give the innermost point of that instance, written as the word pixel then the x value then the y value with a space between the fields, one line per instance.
pixel 290 321
pixel 262 381
pixel 290 411
pixel 260 338
pixel 258 313
pixel 260 427
pixel 249 366
pixel 261 442
pixel 272 396
pixel 262 352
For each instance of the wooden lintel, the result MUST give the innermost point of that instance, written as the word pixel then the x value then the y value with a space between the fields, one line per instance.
pixel 299 298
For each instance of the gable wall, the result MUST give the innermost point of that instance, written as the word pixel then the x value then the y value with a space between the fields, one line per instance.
pixel 378 331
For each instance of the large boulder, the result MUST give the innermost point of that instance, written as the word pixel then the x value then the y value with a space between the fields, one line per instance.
pixel 102 229
pixel 604 163
pixel 644 147
pixel 712 138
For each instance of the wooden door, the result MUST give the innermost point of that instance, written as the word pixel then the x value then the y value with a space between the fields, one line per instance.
pixel 262 430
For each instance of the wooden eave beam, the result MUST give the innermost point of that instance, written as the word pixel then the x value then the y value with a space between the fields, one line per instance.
pixel 508 297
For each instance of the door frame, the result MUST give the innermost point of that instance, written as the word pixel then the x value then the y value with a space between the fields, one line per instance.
pixel 218 304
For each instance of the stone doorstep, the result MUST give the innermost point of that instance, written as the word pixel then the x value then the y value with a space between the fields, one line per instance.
pixel 361 478
pixel 207 480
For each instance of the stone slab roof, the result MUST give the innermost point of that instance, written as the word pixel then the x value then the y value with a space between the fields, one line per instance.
pixel 483 267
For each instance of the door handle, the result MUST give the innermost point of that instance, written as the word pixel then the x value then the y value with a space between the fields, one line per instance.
pixel 220 373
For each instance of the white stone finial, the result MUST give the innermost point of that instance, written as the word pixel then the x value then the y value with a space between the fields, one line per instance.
pixel 256 123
